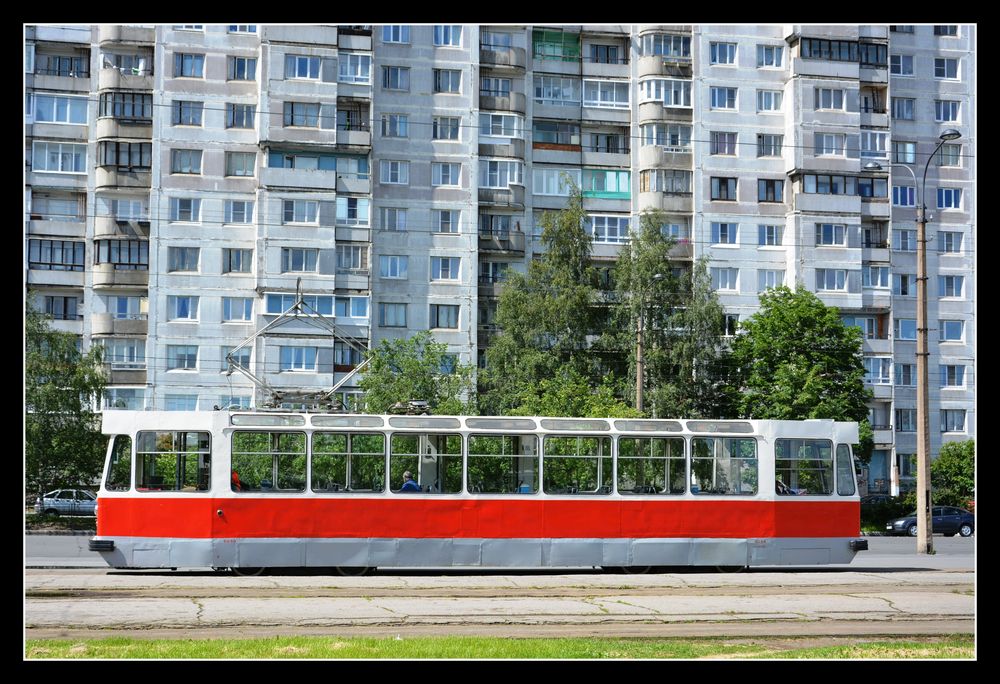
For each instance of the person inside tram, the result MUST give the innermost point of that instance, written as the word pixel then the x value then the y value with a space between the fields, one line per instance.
pixel 235 479
pixel 782 489
pixel 409 485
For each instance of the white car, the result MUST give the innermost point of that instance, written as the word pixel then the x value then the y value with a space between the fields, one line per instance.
pixel 67 502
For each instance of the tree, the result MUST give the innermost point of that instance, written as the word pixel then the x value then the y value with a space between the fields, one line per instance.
pixel 795 360
pixel 64 446
pixel 417 368
pixel 571 394
pixel 953 474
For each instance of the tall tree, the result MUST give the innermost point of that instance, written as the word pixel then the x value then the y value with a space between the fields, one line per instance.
pixel 546 314
pixel 571 394
pixel 795 360
pixel 64 446
pixel 417 368
pixel 953 474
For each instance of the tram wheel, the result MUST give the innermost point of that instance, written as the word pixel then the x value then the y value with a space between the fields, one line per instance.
pixel 248 572
pixel 730 568
pixel 350 571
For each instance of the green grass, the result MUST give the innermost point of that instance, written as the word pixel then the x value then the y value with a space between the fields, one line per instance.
pixel 486 647
pixel 53 523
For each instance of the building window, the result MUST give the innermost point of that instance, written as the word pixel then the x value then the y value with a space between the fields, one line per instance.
pixel 945 110
pixel 669 92
pixel 298 260
pixel 448 36
pixel 352 258
pixel 297 359
pixel 395 78
pixel 769 100
pixel 355 68
pixel 901 28
pixel 949 155
pixel 236 260
pixel 607 94
pixel 55 255
pixel 555 44
pixel 446 220
pixel 241 163
pixel 393 266
pixel 392 315
pixel 301 66
pixel 555 90
pixel 830 144
pixel 500 125
pixel 769 145
pixel 829 185
pixel 607 183
pixel 187 113
pixel 58 109
pixel 123 255
pixel 395 34
pixel 831 279
pixel 299 211
pixel 395 125
pixel 185 161
pixel 444 316
pixel 904 284
pixel 949 198
pixel 723 53
pixel 242 28
pixel 237 309
pixel 189 66
pixel 393 218
pixel 952 420
pixel 447 81
pixel 903 196
pixel 878 370
pixel 905 240
pixel 723 142
pixel 394 172
pixel 445 128
pixel 240 115
pixel 304 114
pixel 185 210
pixel 901 65
pixel 724 233
pixel 906 420
pixel 946 30
pixel 238 211
pixel 953 376
pixel 554 181
pixel 834 50
pixel 951 242
pixel 872 55
pixel 669 181
pixel 445 268
pixel 492 86
pixel 667 44
pixel 769 236
pixel 946 68
pixel 769 56
pixel 608 229
pixel 352 211
pixel 59 157
pixel 242 68
pixel 132 106
pixel 875 276
pixel 723 98
pixel 873 145
pixel 182 259
pixel 725 279
pixel 904 152
pixel 829 98
pixel 902 108
pixel 769 278
pixel 498 173
pixel 873 187
pixel 673 137
pixel 950 286
pixel 448 175
pixel 556 133
pixel 62 308
pixel 828 234
pixel 952 331
pixel 182 357
pixel 182 308
pixel 770 190
pixel 723 188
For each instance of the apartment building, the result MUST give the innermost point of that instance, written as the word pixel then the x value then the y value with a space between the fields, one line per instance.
pixel 184 182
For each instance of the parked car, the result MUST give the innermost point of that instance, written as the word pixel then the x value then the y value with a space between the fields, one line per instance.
pixel 946 520
pixel 67 502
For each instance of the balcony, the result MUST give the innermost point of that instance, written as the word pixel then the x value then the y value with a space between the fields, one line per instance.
pixel 499 57
pixel 618 115
pixel 618 68
pixel 600 156
pixel 126 376
pixel 353 183
pixel 57 226
pixel 503 102
pixel 60 81
pixel 874 116
pixel 667 66
pixel 512 196
pixel 105 275
pixel 655 111
pixel 311 179
pixel 514 148
pixel 109 324
pixel 106 177
pixel 670 202
pixel 111 78
pixel 501 242
pixel 126 35
pixel 684 249
pixel 315 35
pixel 108 127
pixel 357 138
pixel 658 157
pixel 883 436
pixel 111 227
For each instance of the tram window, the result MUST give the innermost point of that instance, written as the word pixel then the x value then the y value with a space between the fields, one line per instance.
pixel 173 461
pixel 269 462
pixel 577 465
pixel 803 466
pixel 503 464
pixel 845 472
pixel 120 467
pixel 723 465
pixel 651 466
pixel 434 460
pixel 348 462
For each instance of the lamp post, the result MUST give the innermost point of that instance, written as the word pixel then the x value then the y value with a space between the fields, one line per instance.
pixel 639 333
pixel 925 532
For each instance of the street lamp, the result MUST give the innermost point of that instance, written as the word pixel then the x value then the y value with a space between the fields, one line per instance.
pixel 925 532
pixel 639 333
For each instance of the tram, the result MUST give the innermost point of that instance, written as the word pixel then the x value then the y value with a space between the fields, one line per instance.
pixel 257 489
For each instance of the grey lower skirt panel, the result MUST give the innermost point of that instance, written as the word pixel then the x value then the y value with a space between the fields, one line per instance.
pixel 136 552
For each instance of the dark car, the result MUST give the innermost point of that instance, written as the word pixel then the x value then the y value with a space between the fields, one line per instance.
pixel 946 520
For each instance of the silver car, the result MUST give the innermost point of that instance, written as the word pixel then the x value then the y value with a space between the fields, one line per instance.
pixel 67 502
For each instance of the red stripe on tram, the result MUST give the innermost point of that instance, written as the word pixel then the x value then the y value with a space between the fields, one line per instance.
pixel 417 517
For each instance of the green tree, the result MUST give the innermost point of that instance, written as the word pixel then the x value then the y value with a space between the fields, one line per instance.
pixel 64 446
pixel 796 360
pixel 953 474
pixel 572 394
pixel 546 314
pixel 417 368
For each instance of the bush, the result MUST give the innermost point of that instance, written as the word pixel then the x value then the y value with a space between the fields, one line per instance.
pixel 875 516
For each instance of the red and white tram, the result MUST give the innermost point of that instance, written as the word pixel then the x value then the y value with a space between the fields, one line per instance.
pixel 242 489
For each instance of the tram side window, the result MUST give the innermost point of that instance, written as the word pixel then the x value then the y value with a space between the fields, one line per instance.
pixel 803 466
pixel 434 461
pixel 577 465
pixel 348 462
pixel 120 468
pixel 723 465
pixel 269 461
pixel 173 461
pixel 503 464
pixel 651 466
pixel 845 471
